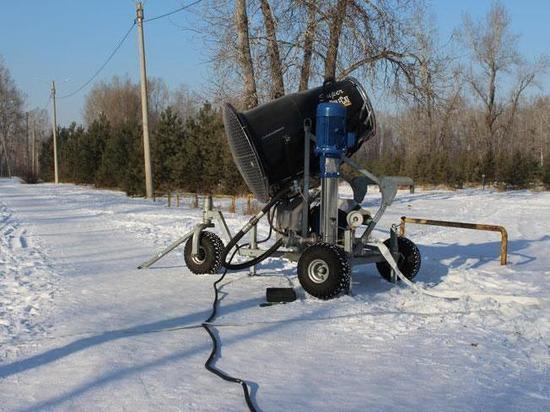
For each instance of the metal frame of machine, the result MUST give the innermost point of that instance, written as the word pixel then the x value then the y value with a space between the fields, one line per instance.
pixel 361 250
pixel 326 252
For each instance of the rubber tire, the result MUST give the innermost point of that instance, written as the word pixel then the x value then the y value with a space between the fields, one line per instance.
pixel 339 270
pixel 213 249
pixel 408 263
pixel 345 257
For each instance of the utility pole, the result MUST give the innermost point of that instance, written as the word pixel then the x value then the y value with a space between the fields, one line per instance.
pixel 54 134
pixel 28 151
pixel 541 132
pixel 33 149
pixel 144 107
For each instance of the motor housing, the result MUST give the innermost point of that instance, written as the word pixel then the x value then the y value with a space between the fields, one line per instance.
pixel 290 214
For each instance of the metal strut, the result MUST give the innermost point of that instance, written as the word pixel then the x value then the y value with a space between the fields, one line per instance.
pixel 209 214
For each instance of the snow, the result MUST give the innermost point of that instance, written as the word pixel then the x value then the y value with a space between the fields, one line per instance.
pixel 82 329
pixel 26 284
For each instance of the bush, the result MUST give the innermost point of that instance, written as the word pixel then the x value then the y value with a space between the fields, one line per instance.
pixel 517 170
pixel 30 178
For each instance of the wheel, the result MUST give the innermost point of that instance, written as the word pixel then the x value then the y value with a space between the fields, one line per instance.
pixel 344 256
pixel 324 270
pixel 408 262
pixel 209 257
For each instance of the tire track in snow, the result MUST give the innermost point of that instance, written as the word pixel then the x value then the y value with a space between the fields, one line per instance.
pixel 27 283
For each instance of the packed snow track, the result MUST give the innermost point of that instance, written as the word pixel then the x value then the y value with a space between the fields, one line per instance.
pixel 82 329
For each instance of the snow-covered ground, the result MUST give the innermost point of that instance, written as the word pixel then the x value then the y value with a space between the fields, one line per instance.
pixel 82 329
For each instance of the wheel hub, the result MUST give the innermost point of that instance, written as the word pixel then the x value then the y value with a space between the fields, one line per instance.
pixel 318 271
pixel 200 257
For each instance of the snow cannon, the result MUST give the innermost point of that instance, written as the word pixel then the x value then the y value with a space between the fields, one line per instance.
pixel 267 142
pixel 290 152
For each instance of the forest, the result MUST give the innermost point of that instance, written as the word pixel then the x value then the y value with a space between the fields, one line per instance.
pixel 451 112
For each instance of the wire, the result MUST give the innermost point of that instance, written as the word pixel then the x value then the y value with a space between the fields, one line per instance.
pixel 216 344
pixel 172 12
pixel 115 50
pixel 45 107
pixel 119 45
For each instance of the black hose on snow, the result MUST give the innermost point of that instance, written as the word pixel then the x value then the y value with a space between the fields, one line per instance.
pixel 215 345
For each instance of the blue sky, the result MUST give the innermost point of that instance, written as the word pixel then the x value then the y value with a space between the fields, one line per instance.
pixel 67 40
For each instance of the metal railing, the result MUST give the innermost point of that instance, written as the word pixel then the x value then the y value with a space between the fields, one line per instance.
pixel 245 204
pixel 461 225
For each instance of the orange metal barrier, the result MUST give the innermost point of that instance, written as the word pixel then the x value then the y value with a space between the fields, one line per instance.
pixel 474 226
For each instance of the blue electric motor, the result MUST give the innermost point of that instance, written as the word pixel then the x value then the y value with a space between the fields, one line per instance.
pixel 332 139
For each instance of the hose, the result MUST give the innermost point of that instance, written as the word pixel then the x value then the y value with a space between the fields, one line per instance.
pixel 215 344
pixel 233 242
pixel 450 295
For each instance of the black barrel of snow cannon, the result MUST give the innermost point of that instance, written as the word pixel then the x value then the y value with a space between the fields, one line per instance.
pixel 267 142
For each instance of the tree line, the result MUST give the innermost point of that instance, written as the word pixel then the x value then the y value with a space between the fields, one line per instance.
pixel 20 130
pixel 186 154
pixel 455 112
pixel 466 110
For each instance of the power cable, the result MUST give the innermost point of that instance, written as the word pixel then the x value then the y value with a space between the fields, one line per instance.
pixel 45 107
pixel 115 50
pixel 119 45
pixel 208 323
pixel 172 12
pixel 216 343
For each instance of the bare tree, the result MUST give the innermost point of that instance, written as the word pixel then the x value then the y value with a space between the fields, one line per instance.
pixel 119 101
pixel 526 76
pixel 494 52
pixel 245 56
pixel 40 129
pixel 309 37
pixel 159 98
pixel 185 101
pixel 279 46
pixel 278 87
pixel 335 31
pixel 11 116
pixel 437 87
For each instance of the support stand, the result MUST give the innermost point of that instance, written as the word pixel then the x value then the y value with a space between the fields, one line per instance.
pixel 209 214
pixel 253 246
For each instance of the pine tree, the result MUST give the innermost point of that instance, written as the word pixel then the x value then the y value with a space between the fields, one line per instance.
pixel 185 165
pixel 114 160
pixel 134 174
pixel 204 152
pixel 91 148
pixel 168 137
pixel 46 160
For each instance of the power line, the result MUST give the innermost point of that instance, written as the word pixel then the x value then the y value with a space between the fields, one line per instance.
pixel 173 11
pixel 119 45
pixel 115 50
pixel 45 107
